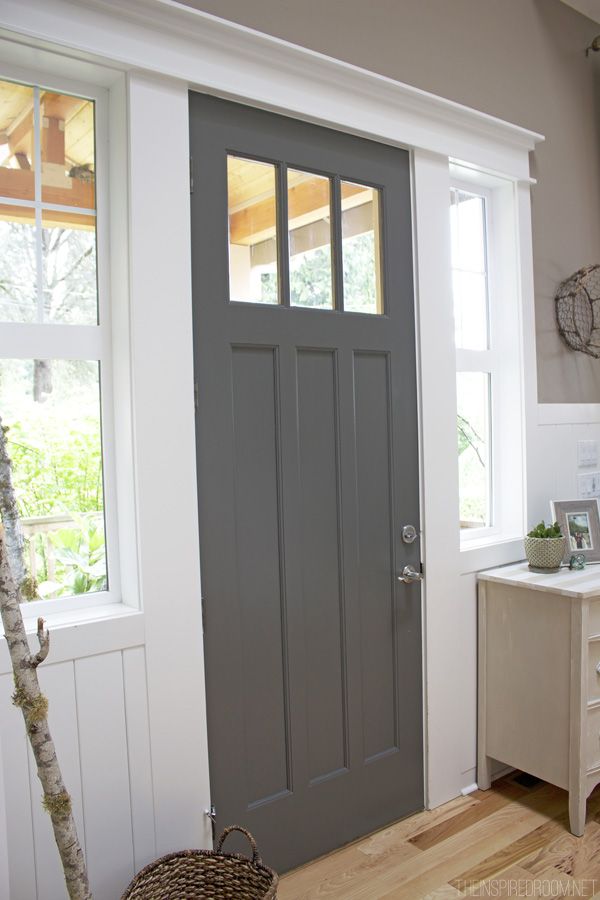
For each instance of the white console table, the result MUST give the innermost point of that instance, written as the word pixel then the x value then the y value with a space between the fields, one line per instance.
pixel 539 678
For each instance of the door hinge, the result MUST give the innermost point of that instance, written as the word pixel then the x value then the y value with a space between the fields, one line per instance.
pixel 191 174
pixel 203 604
pixel 211 813
pixel 195 395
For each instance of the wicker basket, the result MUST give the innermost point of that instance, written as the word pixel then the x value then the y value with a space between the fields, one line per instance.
pixel 206 875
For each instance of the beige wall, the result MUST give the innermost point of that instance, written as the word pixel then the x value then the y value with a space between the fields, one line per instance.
pixel 521 60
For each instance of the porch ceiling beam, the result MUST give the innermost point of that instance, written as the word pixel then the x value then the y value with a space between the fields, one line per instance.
pixel 307 201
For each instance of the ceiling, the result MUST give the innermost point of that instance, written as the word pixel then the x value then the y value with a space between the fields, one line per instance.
pixel 589 8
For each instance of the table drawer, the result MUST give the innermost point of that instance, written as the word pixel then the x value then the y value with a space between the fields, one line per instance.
pixel 593 690
pixel 593 738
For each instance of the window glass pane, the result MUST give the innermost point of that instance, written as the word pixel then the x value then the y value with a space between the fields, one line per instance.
pixel 474 455
pixel 252 211
pixel 470 309
pixel 69 268
pixel 309 217
pixel 361 242
pixel 18 266
pixel 52 410
pixel 17 153
pixel 67 148
pixel 468 231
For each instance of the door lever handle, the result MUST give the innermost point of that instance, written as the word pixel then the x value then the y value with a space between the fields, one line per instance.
pixel 410 574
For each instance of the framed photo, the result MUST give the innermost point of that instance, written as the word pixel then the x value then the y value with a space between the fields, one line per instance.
pixel 579 522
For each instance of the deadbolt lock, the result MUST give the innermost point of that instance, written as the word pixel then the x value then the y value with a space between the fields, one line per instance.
pixel 409 534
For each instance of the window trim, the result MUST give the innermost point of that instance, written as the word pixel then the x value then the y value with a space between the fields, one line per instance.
pixel 90 342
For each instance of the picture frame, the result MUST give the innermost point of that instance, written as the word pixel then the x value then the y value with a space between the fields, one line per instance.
pixel 579 522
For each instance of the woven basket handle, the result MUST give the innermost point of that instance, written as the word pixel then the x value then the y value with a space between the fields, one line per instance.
pixel 227 831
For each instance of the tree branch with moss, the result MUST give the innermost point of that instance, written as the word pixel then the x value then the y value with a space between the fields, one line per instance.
pixel 29 697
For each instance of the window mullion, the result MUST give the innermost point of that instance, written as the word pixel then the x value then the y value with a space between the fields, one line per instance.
pixel 37 182
pixel 33 341
pixel 336 243
pixel 283 236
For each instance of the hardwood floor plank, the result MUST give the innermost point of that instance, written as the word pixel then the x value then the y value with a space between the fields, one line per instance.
pixel 513 853
pixel 577 857
pixel 374 847
pixel 562 885
pixel 457 850
pixel 490 802
pixel 426 872
pixel 518 882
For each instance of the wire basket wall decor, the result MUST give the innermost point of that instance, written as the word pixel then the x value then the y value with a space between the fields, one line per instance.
pixel 578 310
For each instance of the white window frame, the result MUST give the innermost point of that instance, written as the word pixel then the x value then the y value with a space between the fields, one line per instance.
pixel 86 342
pixel 502 360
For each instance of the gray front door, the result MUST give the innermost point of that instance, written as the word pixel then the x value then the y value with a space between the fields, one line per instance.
pixel 307 472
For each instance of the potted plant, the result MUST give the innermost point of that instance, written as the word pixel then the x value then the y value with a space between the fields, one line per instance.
pixel 545 547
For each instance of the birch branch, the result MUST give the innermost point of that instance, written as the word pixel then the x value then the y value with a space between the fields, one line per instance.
pixel 10 514
pixel 34 706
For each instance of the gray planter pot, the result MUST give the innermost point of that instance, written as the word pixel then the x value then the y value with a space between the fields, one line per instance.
pixel 545 553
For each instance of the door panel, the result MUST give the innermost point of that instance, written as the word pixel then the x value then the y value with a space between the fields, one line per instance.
pixel 318 452
pixel 307 470
pixel 258 566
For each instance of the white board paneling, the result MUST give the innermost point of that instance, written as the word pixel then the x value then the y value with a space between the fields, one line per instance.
pixel 17 796
pixel 138 752
pixel 58 684
pixel 3 835
pixel 104 773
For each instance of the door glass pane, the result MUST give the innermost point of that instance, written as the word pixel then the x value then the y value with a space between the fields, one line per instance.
pixel 68 262
pixel 469 270
pixel 474 456
pixel 17 146
pixel 67 147
pixel 309 218
pixel 52 410
pixel 252 211
pixel 361 243
pixel 18 265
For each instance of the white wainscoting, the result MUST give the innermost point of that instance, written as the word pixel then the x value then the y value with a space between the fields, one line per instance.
pixel 99 721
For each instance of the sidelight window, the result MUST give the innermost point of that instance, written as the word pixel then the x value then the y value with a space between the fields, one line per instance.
pixel 468 227
pixel 330 258
pixel 54 342
pixel 488 379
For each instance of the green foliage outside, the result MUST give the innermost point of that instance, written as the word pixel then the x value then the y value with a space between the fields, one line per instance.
pixel 311 277
pixel 472 469
pixel 56 469
pixel 55 447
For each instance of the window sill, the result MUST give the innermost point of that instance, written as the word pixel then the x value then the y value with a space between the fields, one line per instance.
pixel 490 551
pixel 84 632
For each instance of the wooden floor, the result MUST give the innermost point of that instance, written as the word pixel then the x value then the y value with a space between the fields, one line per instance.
pixel 511 841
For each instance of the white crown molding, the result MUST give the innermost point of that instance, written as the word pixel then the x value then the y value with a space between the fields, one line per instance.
pixel 227 59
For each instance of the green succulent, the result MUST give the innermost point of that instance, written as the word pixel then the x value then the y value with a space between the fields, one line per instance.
pixel 545 531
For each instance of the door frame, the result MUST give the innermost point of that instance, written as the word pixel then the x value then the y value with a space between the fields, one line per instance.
pixel 173 49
